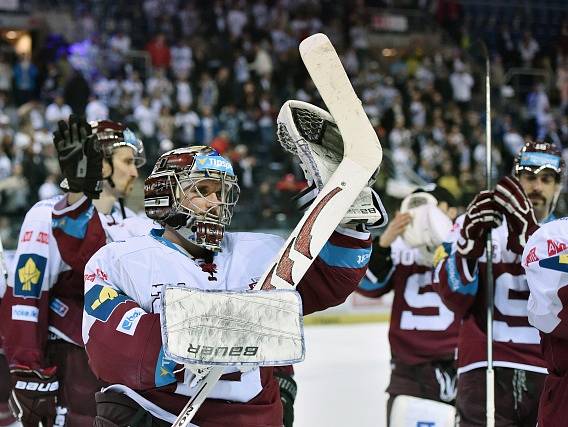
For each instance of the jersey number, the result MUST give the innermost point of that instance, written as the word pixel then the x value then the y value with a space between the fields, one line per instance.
pixel 415 299
pixel 512 307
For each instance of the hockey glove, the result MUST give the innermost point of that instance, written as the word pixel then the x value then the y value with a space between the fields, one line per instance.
pixel 311 134
pixel 288 390
pixel 34 395
pixel 481 216
pixel 518 211
pixel 80 157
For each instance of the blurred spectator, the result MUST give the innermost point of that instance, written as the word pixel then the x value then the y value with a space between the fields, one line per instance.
pixel 208 127
pixel 5 75
pixel 145 118
pixel 159 51
pixel 528 48
pixel 96 110
pixel 77 92
pixel 49 188
pixel 186 121
pixel 462 83
pixel 25 79
pixel 182 59
pixel 56 111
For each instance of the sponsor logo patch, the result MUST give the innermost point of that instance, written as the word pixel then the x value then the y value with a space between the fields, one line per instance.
pixel 217 163
pixel 129 321
pixel 29 275
pixel 42 238
pixel 59 307
pixel 101 301
pixel 555 247
pixel 531 257
pixel 26 313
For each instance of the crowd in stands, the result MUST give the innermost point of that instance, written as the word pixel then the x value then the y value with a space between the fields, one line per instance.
pixel 190 72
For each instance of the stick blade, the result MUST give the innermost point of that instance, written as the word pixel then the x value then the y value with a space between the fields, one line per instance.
pixel 360 139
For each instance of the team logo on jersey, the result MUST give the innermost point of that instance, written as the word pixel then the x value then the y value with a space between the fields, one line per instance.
pixel 440 254
pixel 558 263
pixel 164 373
pixel 29 277
pixel 100 301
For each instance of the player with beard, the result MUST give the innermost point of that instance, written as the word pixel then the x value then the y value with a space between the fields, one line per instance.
pixel 512 211
pixel 423 331
pixel 42 308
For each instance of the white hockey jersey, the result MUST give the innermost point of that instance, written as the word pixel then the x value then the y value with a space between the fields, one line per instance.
pixel 45 289
pixel 121 322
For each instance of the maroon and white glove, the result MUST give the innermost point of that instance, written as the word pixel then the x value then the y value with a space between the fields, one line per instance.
pixel 481 215
pixel 518 210
pixel 34 395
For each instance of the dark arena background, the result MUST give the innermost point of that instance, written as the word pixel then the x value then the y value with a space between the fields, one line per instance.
pixel 216 72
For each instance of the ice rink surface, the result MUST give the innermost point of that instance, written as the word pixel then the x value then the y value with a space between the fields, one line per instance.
pixel 341 383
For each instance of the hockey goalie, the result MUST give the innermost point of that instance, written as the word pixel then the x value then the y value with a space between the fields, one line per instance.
pixel 129 328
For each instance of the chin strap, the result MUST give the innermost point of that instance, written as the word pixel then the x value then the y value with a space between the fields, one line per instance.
pixel 122 209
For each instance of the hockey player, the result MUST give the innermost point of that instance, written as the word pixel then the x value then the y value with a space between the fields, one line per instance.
pixel 423 331
pixel 460 279
pixel 192 192
pixel 41 312
pixel 546 265
pixel 6 417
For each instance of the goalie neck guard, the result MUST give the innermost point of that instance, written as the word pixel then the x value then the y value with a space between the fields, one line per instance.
pixel 184 170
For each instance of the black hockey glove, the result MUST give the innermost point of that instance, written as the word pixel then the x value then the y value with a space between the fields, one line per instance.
pixel 80 157
pixel 288 390
pixel 34 395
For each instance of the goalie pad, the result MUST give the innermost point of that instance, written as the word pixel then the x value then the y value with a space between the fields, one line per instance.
pixel 413 411
pixel 311 134
pixel 232 328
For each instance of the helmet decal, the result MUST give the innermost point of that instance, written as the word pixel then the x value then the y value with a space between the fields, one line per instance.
pixel 537 156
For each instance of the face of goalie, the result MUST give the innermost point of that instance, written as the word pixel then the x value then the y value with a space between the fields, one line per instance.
pixel 203 197
pixel 541 189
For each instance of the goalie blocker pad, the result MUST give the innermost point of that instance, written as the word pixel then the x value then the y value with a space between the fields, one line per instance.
pixel 232 328
pixel 311 134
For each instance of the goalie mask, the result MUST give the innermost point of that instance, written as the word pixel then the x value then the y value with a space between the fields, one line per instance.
pixel 537 156
pixel 430 225
pixel 201 172
pixel 311 134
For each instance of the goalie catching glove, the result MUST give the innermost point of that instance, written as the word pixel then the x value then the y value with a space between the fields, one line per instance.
pixel 518 211
pixel 311 133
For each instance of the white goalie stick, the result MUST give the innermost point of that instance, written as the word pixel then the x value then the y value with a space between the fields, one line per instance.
pixel 362 156
pixel 3 267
